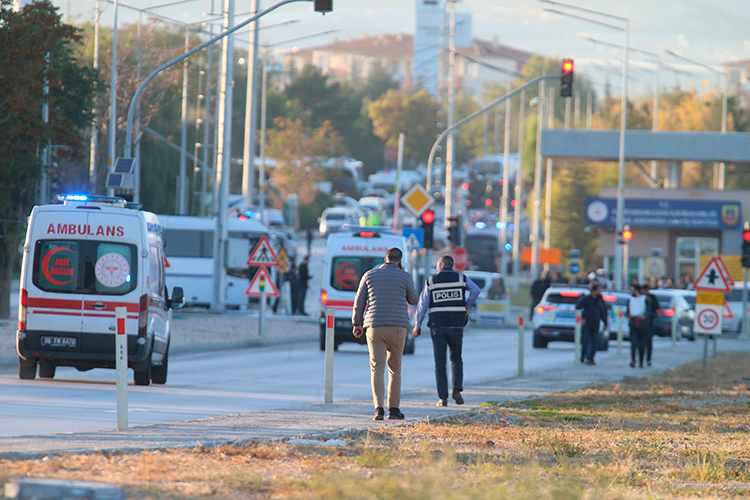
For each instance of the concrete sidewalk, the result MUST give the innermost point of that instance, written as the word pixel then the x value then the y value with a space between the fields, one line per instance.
pixel 344 418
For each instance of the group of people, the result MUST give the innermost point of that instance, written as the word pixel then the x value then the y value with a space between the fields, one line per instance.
pixel 641 312
pixel 386 291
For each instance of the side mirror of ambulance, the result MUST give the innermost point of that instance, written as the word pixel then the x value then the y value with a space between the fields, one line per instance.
pixel 178 298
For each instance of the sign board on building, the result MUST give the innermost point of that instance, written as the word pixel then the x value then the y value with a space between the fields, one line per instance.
pixel 671 214
pixel 654 267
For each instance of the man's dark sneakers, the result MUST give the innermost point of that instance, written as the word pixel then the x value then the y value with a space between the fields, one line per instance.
pixel 442 402
pixel 395 414
pixel 379 413
pixel 457 397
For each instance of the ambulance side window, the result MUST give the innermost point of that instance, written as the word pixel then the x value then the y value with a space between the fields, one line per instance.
pixel 154 272
pixel 347 271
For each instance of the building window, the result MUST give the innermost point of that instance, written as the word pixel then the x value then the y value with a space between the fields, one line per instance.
pixel 688 254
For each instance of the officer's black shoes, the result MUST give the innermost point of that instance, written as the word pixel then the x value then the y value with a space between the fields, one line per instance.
pixel 457 397
pixel 379 413
pixel 395 414
pixel 442 402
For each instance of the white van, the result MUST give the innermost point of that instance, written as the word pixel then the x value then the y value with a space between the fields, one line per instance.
pixel 81 260
pixel 336 219
pixel 189 248
pixel 349 255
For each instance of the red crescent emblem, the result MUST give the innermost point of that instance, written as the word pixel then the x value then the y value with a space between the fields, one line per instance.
pixel 45 266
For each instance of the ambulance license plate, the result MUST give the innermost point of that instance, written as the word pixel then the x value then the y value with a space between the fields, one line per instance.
pixel 59 341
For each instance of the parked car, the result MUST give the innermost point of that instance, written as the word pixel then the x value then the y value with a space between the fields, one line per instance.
pixel 554 318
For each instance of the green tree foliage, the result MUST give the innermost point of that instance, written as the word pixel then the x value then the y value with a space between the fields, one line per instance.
pixel 34 45
pixel 414 114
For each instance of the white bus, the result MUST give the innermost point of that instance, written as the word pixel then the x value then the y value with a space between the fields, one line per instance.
pixel 189 245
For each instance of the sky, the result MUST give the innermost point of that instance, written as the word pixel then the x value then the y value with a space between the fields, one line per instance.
pixel 708 31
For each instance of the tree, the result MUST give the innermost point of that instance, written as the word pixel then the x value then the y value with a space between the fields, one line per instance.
pixel 34 45
pixel 414 114
pixel 296 149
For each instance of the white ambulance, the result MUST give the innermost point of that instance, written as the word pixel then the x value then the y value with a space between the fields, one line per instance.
pixel 81 260
pixel 349 255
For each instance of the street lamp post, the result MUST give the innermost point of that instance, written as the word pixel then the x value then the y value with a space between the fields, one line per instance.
pixel 251 119
pixel 724 117
pixel 113 102
pixel 620 216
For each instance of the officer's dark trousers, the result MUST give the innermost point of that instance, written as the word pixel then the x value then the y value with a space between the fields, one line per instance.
pixel 452 338
pixel 589 339
pixel 637 343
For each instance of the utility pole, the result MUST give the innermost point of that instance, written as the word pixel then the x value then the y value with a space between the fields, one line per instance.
pixel 95 120
pixel 506 179
pixel 519 189
pixel 113 102
pixel 251 106
pixel 183 184
pixel 223 160
pixel 548 182
pixel 450 154
pixel 537 181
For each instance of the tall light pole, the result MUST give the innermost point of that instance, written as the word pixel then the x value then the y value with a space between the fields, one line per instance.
pixel 113 102
pixel 620 216
pixel 251 117
pixel 95 119
pixel 537 182
pixel 450 154
pixel 724 117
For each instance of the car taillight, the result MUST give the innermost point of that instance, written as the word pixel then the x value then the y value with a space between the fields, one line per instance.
pixel 142 315
pixel 666 312
pixel 543 309
pixel 324 296
pixel 22 312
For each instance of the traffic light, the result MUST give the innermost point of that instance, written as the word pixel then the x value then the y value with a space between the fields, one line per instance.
pixel 746 247
pixel 566 78
pixel 428 225
pixel 323 6
pixel 454 231
pixel 627 234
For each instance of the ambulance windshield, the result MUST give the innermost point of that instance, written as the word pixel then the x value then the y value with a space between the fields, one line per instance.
pixel 347 271
pixel 85 266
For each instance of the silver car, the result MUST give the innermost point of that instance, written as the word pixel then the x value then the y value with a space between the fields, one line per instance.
pixel 554 318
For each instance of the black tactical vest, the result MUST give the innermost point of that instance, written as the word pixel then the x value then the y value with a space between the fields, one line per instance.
pixel 447 299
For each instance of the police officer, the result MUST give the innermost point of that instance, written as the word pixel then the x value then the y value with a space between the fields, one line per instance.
pixel 444 296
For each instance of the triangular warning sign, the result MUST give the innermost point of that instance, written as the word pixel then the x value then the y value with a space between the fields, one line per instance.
pixel 254 289
pixel 263 254
pixel 724 270
pixel 712 278
pixel 727 312
pixel 166 262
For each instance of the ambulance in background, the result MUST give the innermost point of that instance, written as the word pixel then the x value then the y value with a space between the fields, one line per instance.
pixel 82 260
pixel 349 255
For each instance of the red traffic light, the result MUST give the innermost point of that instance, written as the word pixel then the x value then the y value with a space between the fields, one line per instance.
pixel 746 235
pixel 567 65
pixel 627 235
pixel 428 217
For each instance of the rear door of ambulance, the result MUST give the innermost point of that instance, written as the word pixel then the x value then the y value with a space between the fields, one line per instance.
pixel 116 241
pixel 51 288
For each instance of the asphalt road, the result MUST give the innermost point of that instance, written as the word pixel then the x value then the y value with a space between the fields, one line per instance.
pixel 243 380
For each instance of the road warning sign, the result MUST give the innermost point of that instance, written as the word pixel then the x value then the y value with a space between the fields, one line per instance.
pixel 263 276
pixel 263 254
pixel 713 278
pixel 708 319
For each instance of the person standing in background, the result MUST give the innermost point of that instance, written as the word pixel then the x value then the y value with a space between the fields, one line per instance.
pixel 304 277
pixel 637 315
pixel 538 287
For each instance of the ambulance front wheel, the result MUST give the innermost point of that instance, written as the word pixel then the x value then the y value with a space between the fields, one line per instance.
pixel 26 368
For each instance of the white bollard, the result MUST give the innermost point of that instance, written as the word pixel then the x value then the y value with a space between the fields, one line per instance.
pixel 520 345
pixel 577 338
pixel 263 299
pixel 619 332
pixel 329 357
pixel 121 368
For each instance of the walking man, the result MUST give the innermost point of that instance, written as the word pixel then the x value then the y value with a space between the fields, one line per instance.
pixel 637 315
pixel 444 296
pixel 386 291
pixel 652 305
pixel 593 310
pixel 304 277
pixel 538 287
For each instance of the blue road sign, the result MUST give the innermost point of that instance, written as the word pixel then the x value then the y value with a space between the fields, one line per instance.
pixel 574 267
pixel 414 234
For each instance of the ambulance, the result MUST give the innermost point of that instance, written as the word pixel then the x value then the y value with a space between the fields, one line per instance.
pixel 349 255
pixel 81 260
